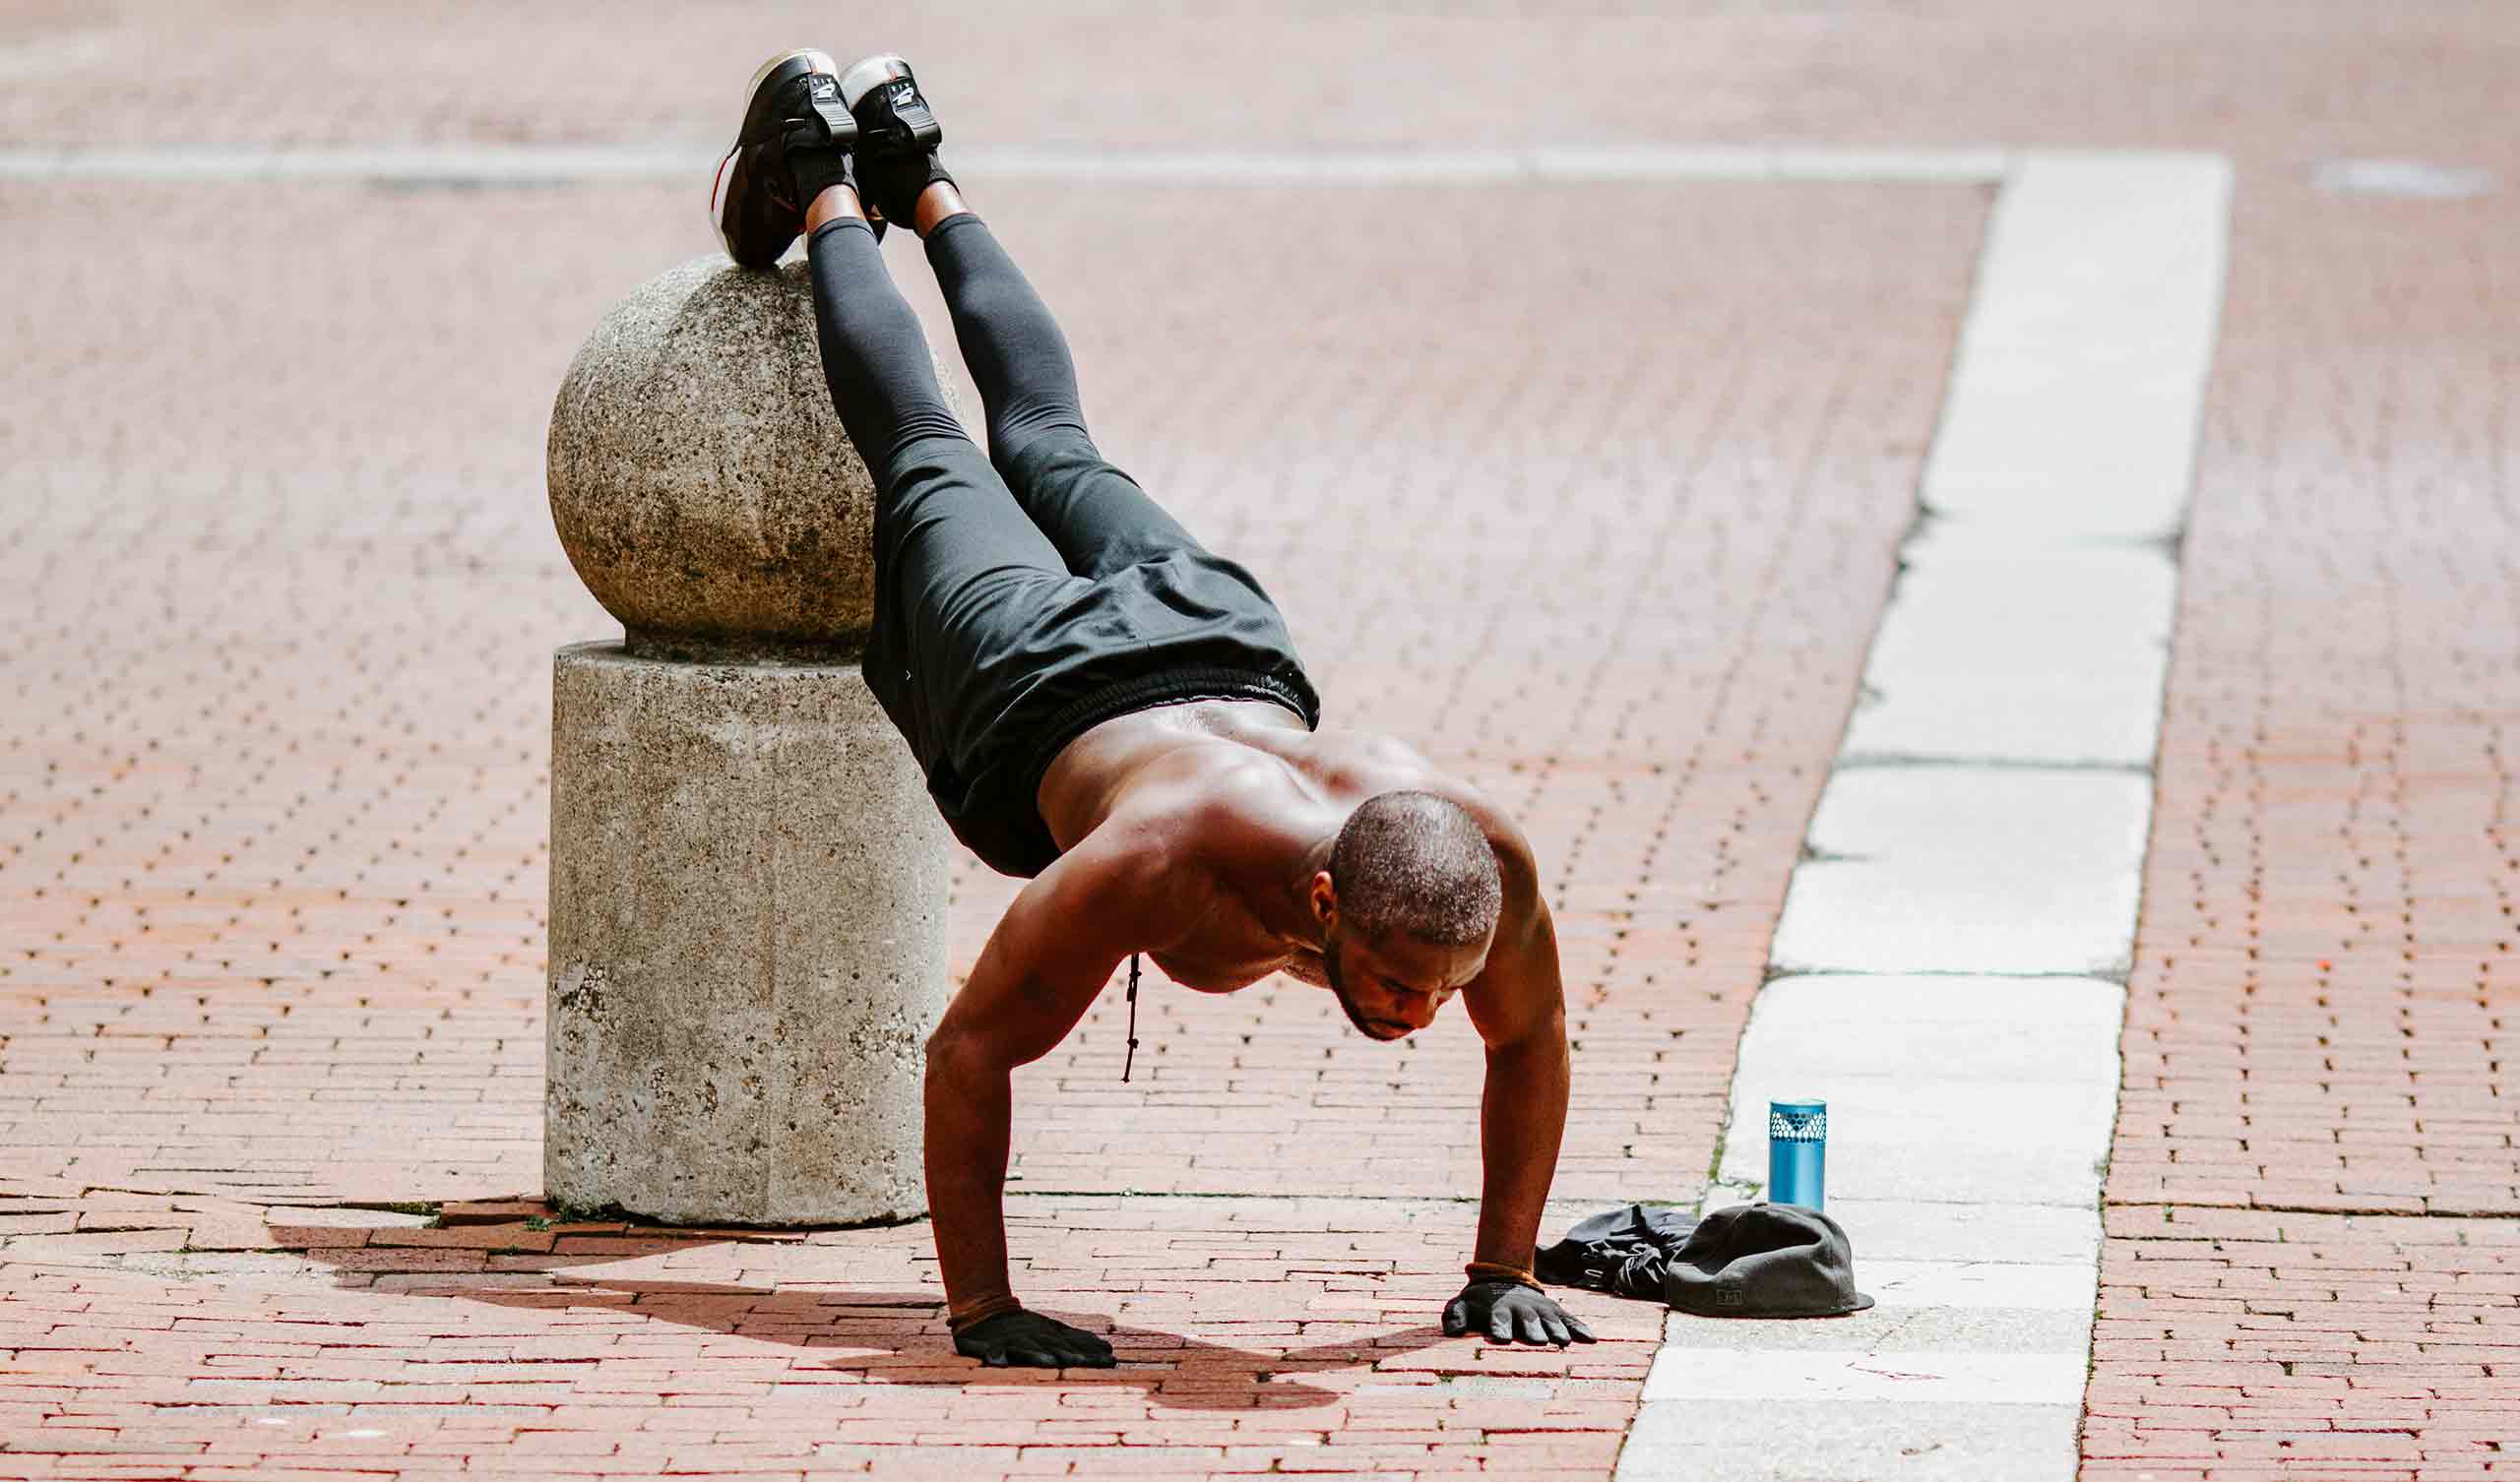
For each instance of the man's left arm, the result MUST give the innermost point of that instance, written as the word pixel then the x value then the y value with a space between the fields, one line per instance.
pixel 1518 1004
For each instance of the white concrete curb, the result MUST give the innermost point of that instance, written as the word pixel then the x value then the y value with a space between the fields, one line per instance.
pixel 1950 957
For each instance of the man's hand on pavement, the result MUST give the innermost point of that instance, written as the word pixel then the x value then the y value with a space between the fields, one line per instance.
pixel 1508 1311
pixel 1021 1339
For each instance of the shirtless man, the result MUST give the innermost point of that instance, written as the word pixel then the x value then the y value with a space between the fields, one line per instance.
pixel 1102 706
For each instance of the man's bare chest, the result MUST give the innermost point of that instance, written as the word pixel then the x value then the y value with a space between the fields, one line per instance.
pixel 1216 967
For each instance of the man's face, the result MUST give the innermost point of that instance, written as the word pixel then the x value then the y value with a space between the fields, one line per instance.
pixel 1394 987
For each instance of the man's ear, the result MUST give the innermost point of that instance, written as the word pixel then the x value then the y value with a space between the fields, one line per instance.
pixel 1325 898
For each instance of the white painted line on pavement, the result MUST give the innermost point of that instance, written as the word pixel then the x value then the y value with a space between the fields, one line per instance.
pixel 1987 654
pixel 1931 1222
pixel 2045 1287
pixel 2073 404
pixel 2009 1379
pixel 1968 869
pixel 685 160
pixel 1883 1441
pixel 1974 872
pixel 2016 1107
pixel 414 164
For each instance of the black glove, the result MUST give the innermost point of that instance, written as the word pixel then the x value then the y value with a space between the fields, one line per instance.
pixel 1509 1310
pixel 1021 1339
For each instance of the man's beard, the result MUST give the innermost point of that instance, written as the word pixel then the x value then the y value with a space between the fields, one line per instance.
pixel 1338 990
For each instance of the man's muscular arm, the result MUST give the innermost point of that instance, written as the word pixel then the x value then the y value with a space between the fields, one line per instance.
pixel 1518 1004
pixel 1050 954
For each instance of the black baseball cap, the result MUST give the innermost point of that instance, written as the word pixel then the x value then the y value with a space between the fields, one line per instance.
pixel 1764 1260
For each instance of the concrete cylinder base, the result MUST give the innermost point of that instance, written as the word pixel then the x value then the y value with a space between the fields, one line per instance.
pixel 747 943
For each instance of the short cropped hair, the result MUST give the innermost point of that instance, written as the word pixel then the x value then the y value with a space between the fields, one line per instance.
pixel 1417 863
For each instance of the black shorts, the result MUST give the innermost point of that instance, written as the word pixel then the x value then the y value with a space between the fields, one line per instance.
pixel 1015 613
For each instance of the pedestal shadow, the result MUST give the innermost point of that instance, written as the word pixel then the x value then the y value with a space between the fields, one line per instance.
pixel 876 1331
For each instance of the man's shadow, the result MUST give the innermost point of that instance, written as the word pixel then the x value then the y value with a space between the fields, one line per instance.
pixel 892 1338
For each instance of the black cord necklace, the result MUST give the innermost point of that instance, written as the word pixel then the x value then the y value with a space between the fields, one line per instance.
pixel 1132 1060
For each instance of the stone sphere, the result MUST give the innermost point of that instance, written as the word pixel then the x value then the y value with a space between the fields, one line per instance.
pixel 700 479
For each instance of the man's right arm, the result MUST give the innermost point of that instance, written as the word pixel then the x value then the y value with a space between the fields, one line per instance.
pixel 1050 954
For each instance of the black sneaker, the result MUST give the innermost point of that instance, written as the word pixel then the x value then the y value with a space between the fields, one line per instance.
pixel 896 136
pixel 794 143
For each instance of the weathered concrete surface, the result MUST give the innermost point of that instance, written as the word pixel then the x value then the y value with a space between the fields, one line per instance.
pixel 1993 652
pixel 701 481
pixel 747 943
pixel 1966 870
pixel 1901 1440
pixel 2001 1089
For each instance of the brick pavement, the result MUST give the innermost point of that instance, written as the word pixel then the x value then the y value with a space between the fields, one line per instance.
pixel 539 1348
pixel 2277 80
pixel 2314 1199
pixel 2357 444
pixel 274 837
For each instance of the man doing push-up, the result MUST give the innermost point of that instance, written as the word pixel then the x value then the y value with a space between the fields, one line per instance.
pixel 1105 706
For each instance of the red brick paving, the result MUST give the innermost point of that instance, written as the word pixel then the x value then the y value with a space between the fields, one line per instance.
pixel 2281 81
pixel 316 886
pixel 2314 1266
pixel 590 1350
pixel 1610 543
pixel 353 434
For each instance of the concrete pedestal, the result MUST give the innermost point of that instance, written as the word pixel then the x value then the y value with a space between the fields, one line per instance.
pixel 747 943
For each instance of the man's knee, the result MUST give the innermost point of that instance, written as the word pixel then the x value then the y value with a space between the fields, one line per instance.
pixel 1016 428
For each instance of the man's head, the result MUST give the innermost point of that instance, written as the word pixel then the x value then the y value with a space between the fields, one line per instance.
pixel 1408 904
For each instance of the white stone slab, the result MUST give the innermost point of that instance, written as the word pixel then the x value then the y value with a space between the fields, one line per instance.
pixel 2061 1175
pixel 2029 630
pixel 2073 405
pixel 2004 1379
pixel 1878 1001
pixel 1927 1228
pixel 2000 1050
pixel 1986 1113
pixel 2043 1157
pixel 1931 1228
pixel 1969 870
pixel 1884 1329
pixel 2047 1161
pixel 1806 1441
pixel 2054 659
pixel 2048 1286
pixel 1949 166
pixel 2420 180
pixel 2008 1092
pixel 1948 1028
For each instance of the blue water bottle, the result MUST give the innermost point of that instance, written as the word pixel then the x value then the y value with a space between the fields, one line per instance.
pixel 1798 1152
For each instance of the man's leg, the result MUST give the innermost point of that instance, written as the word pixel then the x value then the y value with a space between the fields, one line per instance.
pixel 883 380
pixel 955 557
pixel 1098 517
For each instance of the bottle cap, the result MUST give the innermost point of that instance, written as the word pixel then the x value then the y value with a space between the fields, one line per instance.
pixel 1798 1121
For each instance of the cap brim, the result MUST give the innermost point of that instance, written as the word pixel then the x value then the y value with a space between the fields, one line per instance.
pixel 1862 1301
